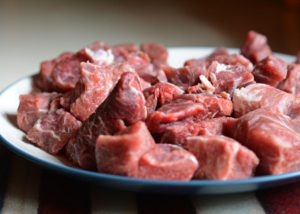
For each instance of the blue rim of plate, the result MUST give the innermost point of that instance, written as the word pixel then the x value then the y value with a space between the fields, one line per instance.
pixel 261 181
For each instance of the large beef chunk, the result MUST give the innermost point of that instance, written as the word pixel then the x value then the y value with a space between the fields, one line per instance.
pixel 94 86
pixel 32 107
pixel 158 54
pixel 119 154
pixel 292 82
pixel 273 137
pixel 159 94
pixel 256 47
pixel 167 162
pixel 259 96
pixel 270 70
pixel 124 106
pixel 52 131
pixel 221 158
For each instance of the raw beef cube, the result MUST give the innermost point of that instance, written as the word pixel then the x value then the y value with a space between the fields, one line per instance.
pixel 256 47
pixel 32 107
pixel 221 158
pixel 119 154
pixel 124 106
pixel 167 162
pixel 44 80
pixel 259 96
pixel 94 86
pixel 229 73
pixel 122 51
pixel 271 71
pixel 273 138
pixel 231 60
pixel 157 53
pixel 53 131
pixel 159 94
pixel 292 82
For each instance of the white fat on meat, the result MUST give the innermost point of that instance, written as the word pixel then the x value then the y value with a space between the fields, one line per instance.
pixel 101 57
pixel 207 84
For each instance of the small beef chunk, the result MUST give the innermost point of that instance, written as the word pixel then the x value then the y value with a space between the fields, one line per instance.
pixel 292 82
pixel 258 96
pixel 52 131
pixel 159 94
pixel 274 139
pixel 197 106
pixel 32 107
pixel 98 53
pixel 221 158
pixel 158 54
pixel 124 106
pixel 177 132
pixel 44 80
pixel 256 47
pixel 167 162
pixel 94 86
pixel 271 71
pixel 121 51
pixel 119 154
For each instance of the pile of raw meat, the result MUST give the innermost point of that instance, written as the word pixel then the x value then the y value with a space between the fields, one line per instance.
pixel 123 110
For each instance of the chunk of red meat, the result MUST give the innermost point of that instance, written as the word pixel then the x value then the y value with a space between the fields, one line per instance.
pixel 119 154
pixel 159 94
pixel 274 139
pixel 259 96
pixel 295 109
pixel 144 84
pixel 94 86
pixel 125 105
pixel 256 47
pixel 221 158
pixel 52 131
pixel 271 71
pixel 292 82
pixel 32 107
pixel 233 60
pixel 167 162
pixel 197 106
pixel 158 54
pixel 122 51
pixel 177 132
pixel 44 80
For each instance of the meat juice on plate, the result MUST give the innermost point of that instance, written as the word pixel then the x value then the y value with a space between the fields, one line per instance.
pixel 123 110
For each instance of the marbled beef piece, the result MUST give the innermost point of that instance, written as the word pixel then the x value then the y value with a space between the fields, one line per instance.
pixel 221 158
pixel 52 131
pixel 124 106
pixel 270 70
pixel 273 137
pixel 167 162
pixel 256 47
pixel 32 107
pixel 44 80
pixel 196 106
pixel 292 82
pixel 93 87
pixel 158 54
pixel 119 154
pixel 260 96
pixel 159 94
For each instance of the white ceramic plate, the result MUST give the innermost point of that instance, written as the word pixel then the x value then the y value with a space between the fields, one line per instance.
pixel 13 138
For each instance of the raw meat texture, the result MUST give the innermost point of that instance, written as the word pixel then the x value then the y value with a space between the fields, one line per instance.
pixel 160 94
pixel 196 106
pixel 52 131
pixel 292 82
pixel 256 47
pixel 273 137
pixel 122 51
pixel 124 106
pixel 167 162
pixel 221 158
pixel 295 109
pixel 119 154
pixel 270 70
pixel 158 54
pixel 44 80
pixel 177 132
pixel 260 96
pixel 94 86
pixel 144 84
pixel 32 107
